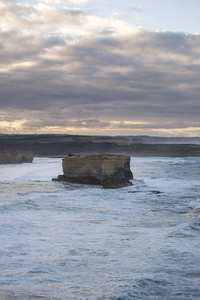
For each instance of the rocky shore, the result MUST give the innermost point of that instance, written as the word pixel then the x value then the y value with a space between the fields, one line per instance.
pixel 61 145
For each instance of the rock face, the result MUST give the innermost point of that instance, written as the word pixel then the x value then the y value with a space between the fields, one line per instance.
pixel 108 170
pixel 15 156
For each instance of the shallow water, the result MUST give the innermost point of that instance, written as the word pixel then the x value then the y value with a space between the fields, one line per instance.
pixel 68 241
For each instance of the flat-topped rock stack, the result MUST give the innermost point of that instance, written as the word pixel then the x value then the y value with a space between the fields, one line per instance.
pixel 108 170
pixel 15 156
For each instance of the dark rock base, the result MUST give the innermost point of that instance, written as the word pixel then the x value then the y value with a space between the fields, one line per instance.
pixel 107 183
pixel 115 183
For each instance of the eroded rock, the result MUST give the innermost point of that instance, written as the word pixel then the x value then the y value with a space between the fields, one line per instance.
pixel 108 170
pixel 15 156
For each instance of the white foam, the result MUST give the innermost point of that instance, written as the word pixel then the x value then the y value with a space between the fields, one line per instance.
pixel 42 169
pixel 194 204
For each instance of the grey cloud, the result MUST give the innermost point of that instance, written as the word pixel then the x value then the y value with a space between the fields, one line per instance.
pixel 143 76
pixel 135 8
pixel 74 12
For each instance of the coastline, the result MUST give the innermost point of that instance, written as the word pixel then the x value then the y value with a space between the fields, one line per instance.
pixel 60 146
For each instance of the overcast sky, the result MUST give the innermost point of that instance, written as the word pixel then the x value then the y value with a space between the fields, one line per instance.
pixel 111 67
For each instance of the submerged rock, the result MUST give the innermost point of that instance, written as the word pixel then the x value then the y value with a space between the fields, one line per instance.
pixel 15 156
pixel 108 170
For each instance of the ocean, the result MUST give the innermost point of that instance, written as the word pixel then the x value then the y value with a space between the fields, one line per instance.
pixel 68 241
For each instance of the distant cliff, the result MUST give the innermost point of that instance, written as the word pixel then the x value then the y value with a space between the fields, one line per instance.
pixel 61 145
pixel 15 156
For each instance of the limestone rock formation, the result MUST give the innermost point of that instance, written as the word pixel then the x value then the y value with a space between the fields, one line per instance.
pixel 15 156
pixel 108 170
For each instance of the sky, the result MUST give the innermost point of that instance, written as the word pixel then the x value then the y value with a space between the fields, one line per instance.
pixel 93 67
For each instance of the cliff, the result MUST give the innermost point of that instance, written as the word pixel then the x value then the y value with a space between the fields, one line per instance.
pixel 108 170
pixel 15 156
pixel 61 145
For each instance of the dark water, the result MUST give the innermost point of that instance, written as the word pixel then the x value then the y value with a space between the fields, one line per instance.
pixel 68 241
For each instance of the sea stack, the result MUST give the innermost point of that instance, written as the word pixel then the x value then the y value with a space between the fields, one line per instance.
pixel 108 170
pixel 15 156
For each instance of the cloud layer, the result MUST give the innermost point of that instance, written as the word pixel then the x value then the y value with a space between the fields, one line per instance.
pixel 66 70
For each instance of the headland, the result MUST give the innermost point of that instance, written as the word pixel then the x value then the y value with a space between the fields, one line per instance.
pixel 52 145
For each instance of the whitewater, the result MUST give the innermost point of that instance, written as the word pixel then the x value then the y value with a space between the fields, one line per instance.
pixel 68 241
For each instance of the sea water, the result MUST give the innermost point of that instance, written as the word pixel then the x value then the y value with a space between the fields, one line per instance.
pixel 68 241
